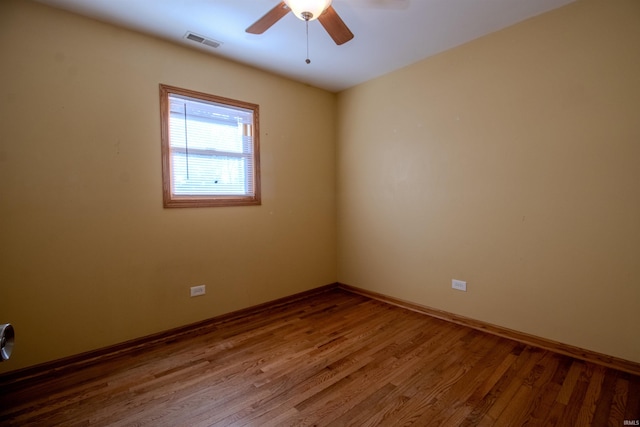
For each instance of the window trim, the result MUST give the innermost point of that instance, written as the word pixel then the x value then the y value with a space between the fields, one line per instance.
pixel 171 200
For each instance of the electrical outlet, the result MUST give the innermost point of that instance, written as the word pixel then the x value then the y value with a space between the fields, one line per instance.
pixel 459 285
pixel 198 290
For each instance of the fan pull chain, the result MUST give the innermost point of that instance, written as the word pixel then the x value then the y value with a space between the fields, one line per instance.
pixel 308 61
pixel 307 16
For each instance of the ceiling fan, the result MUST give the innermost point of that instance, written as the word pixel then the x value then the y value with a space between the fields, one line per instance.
pixel 306 10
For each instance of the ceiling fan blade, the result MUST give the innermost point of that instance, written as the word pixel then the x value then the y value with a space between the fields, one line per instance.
pixel 335 26
pixel 270 18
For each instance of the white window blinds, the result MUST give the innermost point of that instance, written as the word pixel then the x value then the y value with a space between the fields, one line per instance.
pixel 211 148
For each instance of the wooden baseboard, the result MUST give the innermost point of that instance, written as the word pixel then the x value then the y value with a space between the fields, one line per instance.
pixel 58 367
pixel 557 347
pixel 92 358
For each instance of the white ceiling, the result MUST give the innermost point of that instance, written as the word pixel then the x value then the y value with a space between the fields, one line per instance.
pixel 389 34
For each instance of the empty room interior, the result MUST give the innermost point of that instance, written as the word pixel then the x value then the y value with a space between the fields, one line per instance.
pixel 508 164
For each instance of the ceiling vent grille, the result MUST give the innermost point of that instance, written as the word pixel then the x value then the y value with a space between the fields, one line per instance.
pixel 202 40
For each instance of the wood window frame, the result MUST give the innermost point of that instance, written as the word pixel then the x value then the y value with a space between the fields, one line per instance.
pixel 172 200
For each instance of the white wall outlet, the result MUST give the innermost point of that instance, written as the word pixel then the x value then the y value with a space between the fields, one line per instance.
pixel 459 285
pixel 198 290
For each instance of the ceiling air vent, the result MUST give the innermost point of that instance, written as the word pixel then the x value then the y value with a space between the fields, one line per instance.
pixel 202 40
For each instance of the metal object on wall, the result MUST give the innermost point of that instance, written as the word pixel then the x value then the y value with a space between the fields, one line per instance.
pixel 7 337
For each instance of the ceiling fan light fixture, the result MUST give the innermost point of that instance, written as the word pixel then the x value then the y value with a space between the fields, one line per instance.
pixel 308 10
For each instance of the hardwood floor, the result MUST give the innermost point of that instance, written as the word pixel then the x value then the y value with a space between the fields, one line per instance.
pixel 332 359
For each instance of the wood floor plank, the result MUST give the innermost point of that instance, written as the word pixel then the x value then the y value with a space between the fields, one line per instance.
pixel 619 405
pixel 407 382
pixel 333 358
pixel 480 400
pixel 570 382
pixel 547 391
pixel 502 394
pixel 590 402
pixel 632 409
pixel 603 406
pixel 531 394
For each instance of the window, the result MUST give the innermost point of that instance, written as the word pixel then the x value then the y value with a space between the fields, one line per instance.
pixel 210 150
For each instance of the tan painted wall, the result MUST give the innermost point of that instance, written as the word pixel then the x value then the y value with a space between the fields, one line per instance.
pixel 512 162
pixel 88 256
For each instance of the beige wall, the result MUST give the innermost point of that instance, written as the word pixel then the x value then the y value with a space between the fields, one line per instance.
pixel 88 256
pixel 512 162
